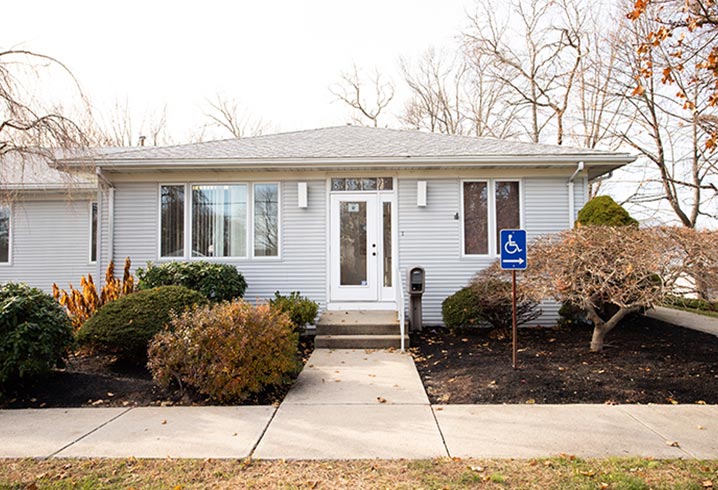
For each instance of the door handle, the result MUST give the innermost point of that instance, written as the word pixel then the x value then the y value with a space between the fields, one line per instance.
pixel 373 245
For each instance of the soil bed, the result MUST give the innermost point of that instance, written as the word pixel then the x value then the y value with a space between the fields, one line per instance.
pixel 644 361
pixel 98 380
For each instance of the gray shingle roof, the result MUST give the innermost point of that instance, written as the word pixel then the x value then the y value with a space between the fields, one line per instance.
pixel 34 171
pixel 352 142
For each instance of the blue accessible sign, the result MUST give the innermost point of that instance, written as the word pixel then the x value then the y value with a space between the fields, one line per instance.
pixel 513 249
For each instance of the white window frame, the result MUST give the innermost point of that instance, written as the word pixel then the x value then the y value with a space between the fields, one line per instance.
pixel 188 224
pixel 188 238
pixel 93 203
pixel 10 234
pixel 491 210
pixel 279 222
pixel 159 221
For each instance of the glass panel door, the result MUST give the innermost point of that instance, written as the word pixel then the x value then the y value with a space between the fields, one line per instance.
pixel 355 252
pixel 353 243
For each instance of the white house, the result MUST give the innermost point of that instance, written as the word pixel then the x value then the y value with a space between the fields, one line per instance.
pixel 336 213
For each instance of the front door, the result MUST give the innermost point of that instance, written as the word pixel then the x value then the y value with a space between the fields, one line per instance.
pixel 354 247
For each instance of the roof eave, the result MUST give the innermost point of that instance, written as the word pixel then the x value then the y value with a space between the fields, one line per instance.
pixel 377 162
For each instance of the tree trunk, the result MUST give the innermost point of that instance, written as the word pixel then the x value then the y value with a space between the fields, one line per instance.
pixel 599 333
pixel 601 328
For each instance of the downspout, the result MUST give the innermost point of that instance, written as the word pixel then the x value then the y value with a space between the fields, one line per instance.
pixel 571 197
pixel 110 220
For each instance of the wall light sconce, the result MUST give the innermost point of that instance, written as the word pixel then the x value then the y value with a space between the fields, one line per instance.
pixel 421 193
pixel 302 194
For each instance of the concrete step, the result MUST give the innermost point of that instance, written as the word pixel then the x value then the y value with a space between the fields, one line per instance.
pixel 359 341
pixel 358 329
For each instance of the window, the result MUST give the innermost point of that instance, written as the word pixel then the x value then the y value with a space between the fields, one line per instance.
pixel 266 220
pixel 172 221
pixel 93 232
pixel 508 215
pixel 363 184
pixel 479 224
pixel 4 234
pixel 219 220
pixel 476 218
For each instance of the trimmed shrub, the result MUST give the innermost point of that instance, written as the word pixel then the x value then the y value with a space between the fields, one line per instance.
pixel 487 300
pixel 301 310
pixel 461 309
pixel 691 303
pixel 226 351
pixel 604 211
pixel 125 326
pixel 218 282
pixel 35 334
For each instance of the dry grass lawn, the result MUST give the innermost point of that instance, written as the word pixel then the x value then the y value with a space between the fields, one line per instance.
pixel 564 472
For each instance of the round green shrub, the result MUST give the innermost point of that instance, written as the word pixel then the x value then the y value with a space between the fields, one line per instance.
pixel 604 211
pixel 218 282
pixel 35 334
pixel 461 309
pixel 301 310
pixel 226 351
pixel 125 326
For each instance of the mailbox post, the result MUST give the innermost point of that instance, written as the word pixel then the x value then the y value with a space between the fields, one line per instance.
pixel 416 281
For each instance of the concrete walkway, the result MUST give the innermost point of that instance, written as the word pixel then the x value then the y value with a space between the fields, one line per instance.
pixel 350 404
pixel 694 321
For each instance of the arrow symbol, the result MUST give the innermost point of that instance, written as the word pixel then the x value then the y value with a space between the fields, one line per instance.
pixel 513 261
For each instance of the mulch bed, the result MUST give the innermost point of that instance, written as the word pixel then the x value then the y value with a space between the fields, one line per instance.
pixel 100 381
pixel 644 361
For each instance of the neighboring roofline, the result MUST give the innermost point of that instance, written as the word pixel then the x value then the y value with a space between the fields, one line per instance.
pixel 48 186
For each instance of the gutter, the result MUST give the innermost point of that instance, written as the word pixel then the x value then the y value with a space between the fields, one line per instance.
pixel 104 181
pixel 571 197
pixel 380 162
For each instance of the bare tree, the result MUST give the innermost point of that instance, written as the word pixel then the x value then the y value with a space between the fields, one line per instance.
pixel 664 120
pixel 537 55
pixel 122 127
pixel 625 267
pixel 352 89
pixel 437 100
pixel 226 114
pixel 29 124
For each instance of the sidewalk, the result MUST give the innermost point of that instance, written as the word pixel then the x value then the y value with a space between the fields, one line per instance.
pixel 686 319
pixel 357 404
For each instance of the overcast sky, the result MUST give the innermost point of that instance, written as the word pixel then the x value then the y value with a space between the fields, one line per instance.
pixel 277 57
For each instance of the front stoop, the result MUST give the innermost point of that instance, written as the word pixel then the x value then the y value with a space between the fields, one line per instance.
pixel 359 329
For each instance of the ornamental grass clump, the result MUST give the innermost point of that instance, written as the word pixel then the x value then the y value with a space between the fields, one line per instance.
pixel 226 352
pixel 83 303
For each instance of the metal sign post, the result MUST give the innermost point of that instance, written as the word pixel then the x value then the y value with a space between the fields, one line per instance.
pixel 513 258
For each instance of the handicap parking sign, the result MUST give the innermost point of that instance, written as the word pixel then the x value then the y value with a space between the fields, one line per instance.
pixel 513 249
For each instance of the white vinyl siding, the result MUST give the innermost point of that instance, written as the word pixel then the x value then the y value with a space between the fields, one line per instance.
pixel 302 263
pixel 49 242
pixel 430 236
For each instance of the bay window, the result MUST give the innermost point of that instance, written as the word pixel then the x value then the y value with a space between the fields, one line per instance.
pixel 489 206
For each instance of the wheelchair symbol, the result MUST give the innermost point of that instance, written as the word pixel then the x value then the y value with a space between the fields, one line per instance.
pixel 511 247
